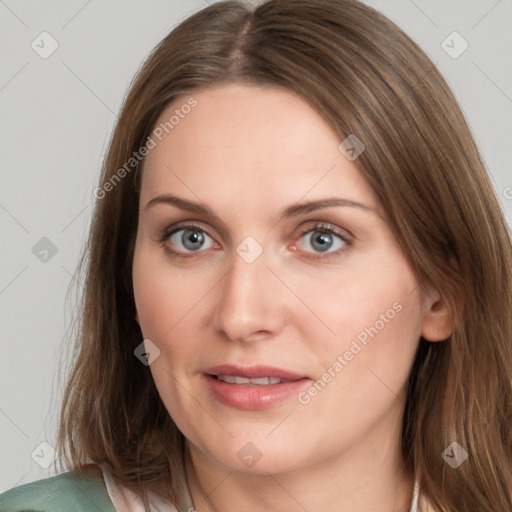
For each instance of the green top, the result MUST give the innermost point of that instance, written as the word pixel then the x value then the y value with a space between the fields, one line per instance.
pixel 82 491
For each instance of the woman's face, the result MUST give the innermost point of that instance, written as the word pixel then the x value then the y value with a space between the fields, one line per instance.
pixel 263 253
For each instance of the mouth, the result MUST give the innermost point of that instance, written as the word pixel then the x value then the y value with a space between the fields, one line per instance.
pixel 258 381
pixel 253 388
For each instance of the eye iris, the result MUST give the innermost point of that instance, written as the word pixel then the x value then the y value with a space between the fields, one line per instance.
pixel 192 239
pixel 321 241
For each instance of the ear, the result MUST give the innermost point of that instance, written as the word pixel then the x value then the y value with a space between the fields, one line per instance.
pixel 437 323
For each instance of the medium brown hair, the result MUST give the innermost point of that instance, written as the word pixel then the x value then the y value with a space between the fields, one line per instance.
pixel 365 77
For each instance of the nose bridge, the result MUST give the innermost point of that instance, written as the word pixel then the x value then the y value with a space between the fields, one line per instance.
pixel 248 305
pixel 242 286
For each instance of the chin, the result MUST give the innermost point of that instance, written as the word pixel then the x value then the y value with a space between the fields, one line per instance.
pixel 258 457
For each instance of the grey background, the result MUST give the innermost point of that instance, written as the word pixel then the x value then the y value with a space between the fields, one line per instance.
pixel 56 118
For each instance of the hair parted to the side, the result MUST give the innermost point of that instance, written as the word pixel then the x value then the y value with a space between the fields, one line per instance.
pixel 365 77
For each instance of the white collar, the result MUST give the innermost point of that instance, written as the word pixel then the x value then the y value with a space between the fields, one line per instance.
pixel 415 497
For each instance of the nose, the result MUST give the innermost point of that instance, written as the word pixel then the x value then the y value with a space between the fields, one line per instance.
pixel 250 305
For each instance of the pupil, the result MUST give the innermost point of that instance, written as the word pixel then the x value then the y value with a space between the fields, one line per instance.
pixel 192 239
pixel 322 241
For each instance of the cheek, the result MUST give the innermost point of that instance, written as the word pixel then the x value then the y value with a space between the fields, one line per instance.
pixel 363 369
pixel 166 303
pixel 372 314
pixel 165 296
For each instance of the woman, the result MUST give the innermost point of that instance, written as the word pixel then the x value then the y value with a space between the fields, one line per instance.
pixel 295 219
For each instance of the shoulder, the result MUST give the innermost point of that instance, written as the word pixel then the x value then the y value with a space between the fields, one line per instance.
pixel 78 491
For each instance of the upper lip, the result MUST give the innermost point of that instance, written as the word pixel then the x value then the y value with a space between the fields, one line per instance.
pixel 253 372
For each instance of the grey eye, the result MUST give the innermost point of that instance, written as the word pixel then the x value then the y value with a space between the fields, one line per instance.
pixel 321 241
pixel 191 240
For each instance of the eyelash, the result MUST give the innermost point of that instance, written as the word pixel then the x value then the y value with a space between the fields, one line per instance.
pixel 320 226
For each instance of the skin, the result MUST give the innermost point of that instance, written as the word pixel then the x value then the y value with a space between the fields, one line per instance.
pixel 248 152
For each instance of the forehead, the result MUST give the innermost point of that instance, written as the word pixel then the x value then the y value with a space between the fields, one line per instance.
pixel 250 143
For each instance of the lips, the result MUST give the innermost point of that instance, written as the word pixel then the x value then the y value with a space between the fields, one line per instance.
pixel 254 387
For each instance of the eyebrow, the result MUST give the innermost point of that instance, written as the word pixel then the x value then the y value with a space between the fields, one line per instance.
pixel 291 211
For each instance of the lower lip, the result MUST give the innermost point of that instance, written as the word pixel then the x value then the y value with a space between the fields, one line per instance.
pixel 253 397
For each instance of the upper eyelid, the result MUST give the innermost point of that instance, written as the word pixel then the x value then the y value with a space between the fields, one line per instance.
pixel 330 227
pixel 178 226
pixel 316 224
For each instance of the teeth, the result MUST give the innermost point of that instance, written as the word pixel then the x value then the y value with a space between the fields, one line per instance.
pixel 259 381
pixel 264 381
pixel 227 378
